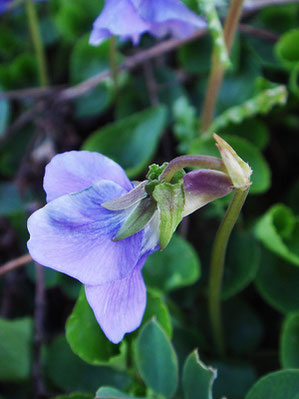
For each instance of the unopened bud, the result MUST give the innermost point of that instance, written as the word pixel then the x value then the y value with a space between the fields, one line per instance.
pixel 238 170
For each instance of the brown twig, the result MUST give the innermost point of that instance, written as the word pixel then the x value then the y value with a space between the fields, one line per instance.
pixel 15 263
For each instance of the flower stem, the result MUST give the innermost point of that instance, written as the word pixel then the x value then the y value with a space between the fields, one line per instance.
pixel 185 161
pixel 218 70
pixel 37 43
pixel 217 265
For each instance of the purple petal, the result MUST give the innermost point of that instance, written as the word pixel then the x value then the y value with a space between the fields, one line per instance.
pixel 203 186
pixel 169 16
pixel 73 234
pixel 119 306
pixel 75 170
pixel 119 17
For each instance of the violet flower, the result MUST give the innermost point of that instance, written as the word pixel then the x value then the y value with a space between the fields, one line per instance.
pixel 74 233
pixel 132 18
pixel 4 4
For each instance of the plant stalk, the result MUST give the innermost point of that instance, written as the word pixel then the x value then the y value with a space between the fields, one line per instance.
pixel 37 43
pixel 184 161
pixel 217 266
pixel 217 70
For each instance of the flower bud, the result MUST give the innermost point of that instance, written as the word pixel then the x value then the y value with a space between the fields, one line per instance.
pixel 202 186
pixel 238 170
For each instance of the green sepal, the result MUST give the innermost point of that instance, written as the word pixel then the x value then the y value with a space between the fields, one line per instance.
pixel 127 200
pixel 154 171
pixel 138 218
pixel 171 200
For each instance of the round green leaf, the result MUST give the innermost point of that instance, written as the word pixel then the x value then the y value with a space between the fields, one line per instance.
pixel 277 282
pixel 278 385
pixel 289 344
pixel 278 230
pixel 15 349
pixel 131 141
pixel 175 267
pixel 69 373
pixel 111 393
pixel 261 176
pixel 86 338
pixel 156 360
pixel 241 265
pixel 198 379
pixel 156 307
pixel 287 49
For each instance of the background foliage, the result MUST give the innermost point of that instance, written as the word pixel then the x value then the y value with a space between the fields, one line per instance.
pixel 50 343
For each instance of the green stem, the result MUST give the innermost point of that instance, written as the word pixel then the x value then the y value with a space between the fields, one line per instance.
pixel 217 266
pixel 37 43
pixel 184 161
pixel 217 69
pixel 113 62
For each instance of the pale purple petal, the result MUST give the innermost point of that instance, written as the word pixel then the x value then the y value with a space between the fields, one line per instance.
pixel 169 17
pixel 73 234
pixel 75 170
pixel 119 17
pixel 119 306
pixel 203 186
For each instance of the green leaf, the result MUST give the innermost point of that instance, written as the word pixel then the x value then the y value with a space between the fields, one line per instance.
pixel 287 49
pixel 69 373
pixel 254 130
pixel 260 104
pixel 85 62
pixel 289 342
pixel 131 141
pixel 278 230
pixel 198 379
pixel 137 219
pixel 74 18
pixel 86 338
pixel 261 176
pixel 277 282
pixel 156 360
pixel 112 393
pixel 156 307
pixel 15 349
pixel 171 200
pixel 175 267
pixel 278 385
pixel 241 264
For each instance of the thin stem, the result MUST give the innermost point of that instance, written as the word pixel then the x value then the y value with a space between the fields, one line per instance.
pixel 37 43
pixel 217 70
pixel 113 61
pixel 15 263
pixel 217 266
pixel 184 161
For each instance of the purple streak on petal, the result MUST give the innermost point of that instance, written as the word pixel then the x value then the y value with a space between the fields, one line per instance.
pixel 73 234
pixel 203 186
pixel 119 17
pixel 76 170
pixel 119 306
